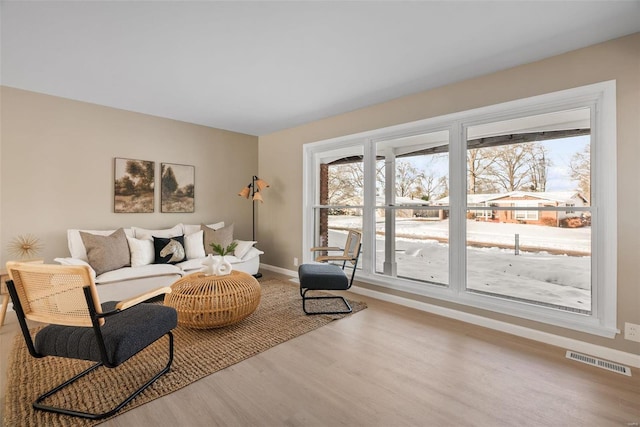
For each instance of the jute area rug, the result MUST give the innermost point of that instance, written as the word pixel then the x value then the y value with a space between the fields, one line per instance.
pixel 197 354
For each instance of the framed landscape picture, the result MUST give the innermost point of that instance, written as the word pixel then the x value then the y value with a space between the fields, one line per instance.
pixel 133 186
pixel 177 184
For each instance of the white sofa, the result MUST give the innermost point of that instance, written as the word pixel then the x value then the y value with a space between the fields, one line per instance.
pixel 143 274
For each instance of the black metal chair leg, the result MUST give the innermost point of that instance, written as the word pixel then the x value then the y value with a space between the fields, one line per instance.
pixel 92 416
pixel 305 298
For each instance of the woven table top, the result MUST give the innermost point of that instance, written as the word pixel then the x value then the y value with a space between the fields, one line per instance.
pixel 207 301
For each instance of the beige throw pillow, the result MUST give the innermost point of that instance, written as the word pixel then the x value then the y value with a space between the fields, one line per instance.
pixel 222 236
pixel 106 253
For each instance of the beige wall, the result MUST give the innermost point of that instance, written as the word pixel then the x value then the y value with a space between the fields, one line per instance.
pixel 280 156
pixel 57 168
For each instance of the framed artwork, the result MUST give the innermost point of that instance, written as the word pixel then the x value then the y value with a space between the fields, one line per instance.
pixel 133 186
pixel 177 183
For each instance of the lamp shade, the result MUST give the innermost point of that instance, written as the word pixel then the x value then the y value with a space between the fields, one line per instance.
pixel 245 192
pixel 258 197
pixel 261 184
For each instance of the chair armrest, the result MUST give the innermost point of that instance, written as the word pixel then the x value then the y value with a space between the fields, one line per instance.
pixel 332 248
pixel 130 302
pixel 334 258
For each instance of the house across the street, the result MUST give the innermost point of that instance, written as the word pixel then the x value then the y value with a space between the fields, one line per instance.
pixel 525 199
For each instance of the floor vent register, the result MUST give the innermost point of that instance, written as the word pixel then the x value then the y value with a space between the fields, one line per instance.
pixel 604 364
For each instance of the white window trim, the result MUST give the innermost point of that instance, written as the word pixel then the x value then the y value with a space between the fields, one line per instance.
pixel 602 96
pixel 526 215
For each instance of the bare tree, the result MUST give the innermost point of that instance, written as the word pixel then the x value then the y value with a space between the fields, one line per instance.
pixel 480 163
pixel 346 184
pixel 511 169
pixel 580 166
pixel 539 163
pixel 408 179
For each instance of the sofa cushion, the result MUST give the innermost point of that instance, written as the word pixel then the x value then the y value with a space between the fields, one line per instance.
pixel 128 273
pixel 196 264
pixel 142 251
pixel 194 245
pixel 169 250
pixel 143 233
pixel 222 236
pixel 106 253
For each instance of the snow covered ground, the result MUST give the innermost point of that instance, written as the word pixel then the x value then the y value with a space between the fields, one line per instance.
pixel 539 276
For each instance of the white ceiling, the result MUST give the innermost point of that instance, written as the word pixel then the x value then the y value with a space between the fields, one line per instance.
pixel 258 67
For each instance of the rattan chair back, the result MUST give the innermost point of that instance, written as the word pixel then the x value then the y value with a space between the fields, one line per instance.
pixel 54 293
pixel 350 252
pixel 352 246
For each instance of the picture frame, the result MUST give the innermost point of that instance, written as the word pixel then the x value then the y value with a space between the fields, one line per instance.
pixel 134 186
pixel 177 188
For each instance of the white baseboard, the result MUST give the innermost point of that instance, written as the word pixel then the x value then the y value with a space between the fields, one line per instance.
pixel 544 337
pixel 279 270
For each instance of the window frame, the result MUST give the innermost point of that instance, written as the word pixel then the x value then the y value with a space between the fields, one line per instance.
pixel 528 215
pixel 600 98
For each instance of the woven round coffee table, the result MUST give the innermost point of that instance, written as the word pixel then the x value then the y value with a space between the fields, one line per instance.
pixel 204 302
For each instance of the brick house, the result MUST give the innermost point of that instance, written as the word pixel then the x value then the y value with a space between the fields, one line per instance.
pixel 524 199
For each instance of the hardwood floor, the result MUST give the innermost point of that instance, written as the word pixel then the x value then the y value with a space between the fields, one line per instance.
pixel 394 366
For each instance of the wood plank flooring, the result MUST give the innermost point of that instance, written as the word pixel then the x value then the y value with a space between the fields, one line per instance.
pixel 394 366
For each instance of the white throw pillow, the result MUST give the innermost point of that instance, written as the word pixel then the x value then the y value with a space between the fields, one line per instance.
pixel 142 252
pixel 194 245
pixel 142 233
pixel 242 248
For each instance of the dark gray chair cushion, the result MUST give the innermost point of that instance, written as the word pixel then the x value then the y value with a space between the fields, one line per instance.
pixel 125 334
pixel 322 276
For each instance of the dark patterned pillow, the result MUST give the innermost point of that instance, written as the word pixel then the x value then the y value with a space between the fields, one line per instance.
pixel 169 250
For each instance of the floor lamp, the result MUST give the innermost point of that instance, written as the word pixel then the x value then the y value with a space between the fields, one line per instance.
pixel 253 190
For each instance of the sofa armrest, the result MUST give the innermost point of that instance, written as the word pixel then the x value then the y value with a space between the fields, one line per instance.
pixel 76 261
pixel 251 253
pixel 130 302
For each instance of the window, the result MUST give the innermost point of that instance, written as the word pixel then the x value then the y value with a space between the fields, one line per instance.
pixel 412 172
pixel 340 195
pixel 472 207
pixel 530 250
pixel 526 215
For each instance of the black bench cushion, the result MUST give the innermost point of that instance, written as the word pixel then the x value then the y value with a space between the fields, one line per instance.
pixel 125 334
pixel 322 276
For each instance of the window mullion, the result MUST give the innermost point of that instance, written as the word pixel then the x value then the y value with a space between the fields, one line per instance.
pixel 368 213
pixel 457 192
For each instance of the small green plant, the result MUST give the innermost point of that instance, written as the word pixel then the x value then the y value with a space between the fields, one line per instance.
pixel 222 251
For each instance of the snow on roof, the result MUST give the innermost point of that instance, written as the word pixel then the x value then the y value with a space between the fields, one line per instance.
pixel 555 196
pixel 403 201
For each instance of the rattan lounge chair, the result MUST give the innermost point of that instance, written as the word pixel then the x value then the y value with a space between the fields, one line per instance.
pixel 109 334
pixel 324 275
